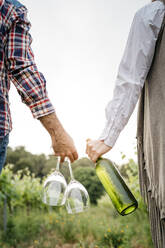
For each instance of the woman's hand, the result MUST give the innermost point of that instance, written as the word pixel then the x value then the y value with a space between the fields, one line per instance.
pixel 96 148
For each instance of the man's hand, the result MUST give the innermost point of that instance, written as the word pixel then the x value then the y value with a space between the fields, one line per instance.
pixel 96 148
pixel 62 143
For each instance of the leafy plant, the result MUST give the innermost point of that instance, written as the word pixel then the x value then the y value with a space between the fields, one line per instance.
pixel 88 177
pixel 112 239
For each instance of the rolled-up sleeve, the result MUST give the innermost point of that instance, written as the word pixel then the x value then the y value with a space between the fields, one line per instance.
pixel 22 70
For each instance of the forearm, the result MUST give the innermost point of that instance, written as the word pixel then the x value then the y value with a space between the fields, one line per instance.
pixel 52 124
pixel 119 110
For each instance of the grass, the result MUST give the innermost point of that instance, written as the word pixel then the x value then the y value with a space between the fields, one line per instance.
pixel 100 227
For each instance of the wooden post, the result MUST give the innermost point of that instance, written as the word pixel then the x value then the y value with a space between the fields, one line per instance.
pixel 5 215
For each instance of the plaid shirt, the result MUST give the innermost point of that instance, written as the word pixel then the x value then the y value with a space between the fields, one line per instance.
pixel 17 65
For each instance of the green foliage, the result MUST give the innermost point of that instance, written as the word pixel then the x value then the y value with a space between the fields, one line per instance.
pixel 50 164
pixel 10 234
pixel 81 163
pixel 8 188
pixel 40 165
pixel 21 189
pixel 32 224
pixel 96 228
pixel 129 168
pixel 112 239
pixel 22 228
pixel 88 177
pixel 22 159
pixel 130 174
pixel 30 190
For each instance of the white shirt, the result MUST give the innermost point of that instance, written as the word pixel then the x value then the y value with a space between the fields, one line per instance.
pixel 133 69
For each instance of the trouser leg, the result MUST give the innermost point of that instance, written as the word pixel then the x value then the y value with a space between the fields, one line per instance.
pixel 3 149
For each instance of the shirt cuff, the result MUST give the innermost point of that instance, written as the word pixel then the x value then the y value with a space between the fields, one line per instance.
pixel 110 135
pixel 41 108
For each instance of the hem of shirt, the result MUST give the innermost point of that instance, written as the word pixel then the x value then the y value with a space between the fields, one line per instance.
pixel 7 132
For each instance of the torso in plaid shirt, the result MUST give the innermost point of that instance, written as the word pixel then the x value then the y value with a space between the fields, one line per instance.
pixel 17 65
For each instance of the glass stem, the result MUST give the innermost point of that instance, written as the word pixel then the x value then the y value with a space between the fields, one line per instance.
pixel 70 168
pixel 58 163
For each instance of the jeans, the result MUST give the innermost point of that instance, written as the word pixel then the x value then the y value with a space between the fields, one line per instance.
pixel 3 149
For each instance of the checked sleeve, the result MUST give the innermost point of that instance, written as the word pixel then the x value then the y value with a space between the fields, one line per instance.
pixel 22 70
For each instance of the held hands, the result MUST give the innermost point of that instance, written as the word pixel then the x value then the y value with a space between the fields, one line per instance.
pixel 96 148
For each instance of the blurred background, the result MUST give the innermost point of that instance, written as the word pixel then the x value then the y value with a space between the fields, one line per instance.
pixel 78 46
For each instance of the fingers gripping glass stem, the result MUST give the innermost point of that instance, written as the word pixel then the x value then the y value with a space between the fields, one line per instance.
pixel 70 168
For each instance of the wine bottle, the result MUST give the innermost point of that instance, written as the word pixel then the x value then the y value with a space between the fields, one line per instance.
pixel 119 193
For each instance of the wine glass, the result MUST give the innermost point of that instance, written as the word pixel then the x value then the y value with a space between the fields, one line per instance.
pixel 54 188
pixel 77 198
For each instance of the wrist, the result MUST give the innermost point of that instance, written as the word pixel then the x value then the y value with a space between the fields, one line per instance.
pixel 52 124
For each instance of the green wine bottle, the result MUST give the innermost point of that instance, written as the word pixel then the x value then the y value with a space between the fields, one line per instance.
pixel 120 195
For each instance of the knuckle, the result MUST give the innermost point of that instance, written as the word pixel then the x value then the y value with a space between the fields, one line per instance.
pixel 54 147
pixel 90 156
pixel 94 158
pixel 76 155
pixel 62 154
pixel 97 153
pixel 74 151
pixel 57 154
pixel 68 154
